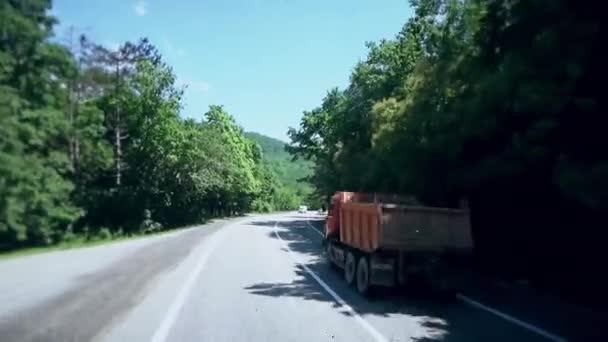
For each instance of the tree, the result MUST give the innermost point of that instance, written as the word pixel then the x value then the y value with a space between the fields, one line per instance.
pixel 493 101
pixel 35 200
pixel 123 63
pixel 242 182
pixel 92 142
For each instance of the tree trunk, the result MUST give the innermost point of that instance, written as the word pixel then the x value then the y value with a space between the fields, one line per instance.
pixel 117 132
pixel 118 154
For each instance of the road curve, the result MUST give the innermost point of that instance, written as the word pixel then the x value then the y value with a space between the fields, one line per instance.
pixel 259 278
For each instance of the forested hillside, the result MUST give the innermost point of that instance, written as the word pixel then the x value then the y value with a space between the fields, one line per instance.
pixel 497 102
pixel 92 143
pixel 288 172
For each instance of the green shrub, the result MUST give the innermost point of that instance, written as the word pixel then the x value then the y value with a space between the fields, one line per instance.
pixel 103 234
pixel 69 237
pixel 148 225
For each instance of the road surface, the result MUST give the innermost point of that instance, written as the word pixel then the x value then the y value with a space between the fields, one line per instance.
pixel 257 278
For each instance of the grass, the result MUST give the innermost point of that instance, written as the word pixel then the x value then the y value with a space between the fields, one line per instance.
pixel 80 242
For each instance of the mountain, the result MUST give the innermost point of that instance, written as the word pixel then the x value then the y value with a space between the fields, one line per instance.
pixel 288 172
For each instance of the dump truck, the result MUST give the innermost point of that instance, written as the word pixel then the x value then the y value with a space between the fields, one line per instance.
pixel 387 240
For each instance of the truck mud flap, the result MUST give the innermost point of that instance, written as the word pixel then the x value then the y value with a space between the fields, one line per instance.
pixel 382 271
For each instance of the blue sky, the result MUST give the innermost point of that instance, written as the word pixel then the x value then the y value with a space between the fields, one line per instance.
pixel 266 61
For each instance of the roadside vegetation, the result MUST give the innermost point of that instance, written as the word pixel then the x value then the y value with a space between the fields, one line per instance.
pixel 102 237
pixel 92 145
pixel 497 102
pixel 289 173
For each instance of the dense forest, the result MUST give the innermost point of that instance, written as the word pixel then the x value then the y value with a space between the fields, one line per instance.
pixel 92 143
pixel 290 174
pixel 498 102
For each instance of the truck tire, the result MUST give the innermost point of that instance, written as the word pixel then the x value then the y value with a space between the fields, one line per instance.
pixel 330 256
pixel 363 276
pixel 328 250
pixel 350 267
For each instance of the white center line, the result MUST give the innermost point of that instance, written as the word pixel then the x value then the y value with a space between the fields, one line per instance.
pixel 376 335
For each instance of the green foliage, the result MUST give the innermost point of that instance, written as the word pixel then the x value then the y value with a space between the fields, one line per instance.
pixel 458 100
pixel 495 101
pixel 292 189
pixel 103 234
pixel 148 225
pixel 34 193
pixel 92 144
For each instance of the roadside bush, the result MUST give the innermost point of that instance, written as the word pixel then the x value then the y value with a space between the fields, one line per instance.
pixel 69 237
pixel 103 234
pixel 261 206
pixel 118 233
pixel 148 225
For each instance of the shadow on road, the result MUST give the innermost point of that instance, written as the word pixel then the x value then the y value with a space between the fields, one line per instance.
pixel 435 318
pixel 415 314
pixel 302 287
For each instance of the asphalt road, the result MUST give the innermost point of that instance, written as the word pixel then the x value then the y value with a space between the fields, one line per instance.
pixel 258 278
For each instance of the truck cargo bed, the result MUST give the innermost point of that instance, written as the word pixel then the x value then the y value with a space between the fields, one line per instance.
pixel 372 226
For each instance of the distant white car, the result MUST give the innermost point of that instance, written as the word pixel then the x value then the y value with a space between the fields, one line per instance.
pixel 303 209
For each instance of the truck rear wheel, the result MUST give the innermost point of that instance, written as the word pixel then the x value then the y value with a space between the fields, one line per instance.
pixel 330 255
pixel 350 268
pixel 363 276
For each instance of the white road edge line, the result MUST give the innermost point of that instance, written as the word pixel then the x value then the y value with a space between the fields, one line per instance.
pixel 315 229
pixel 377 336
pixel 162 332
pixel 470 302
pixel 511 319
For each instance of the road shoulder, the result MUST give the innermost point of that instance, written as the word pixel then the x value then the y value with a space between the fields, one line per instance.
pixel 97 299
